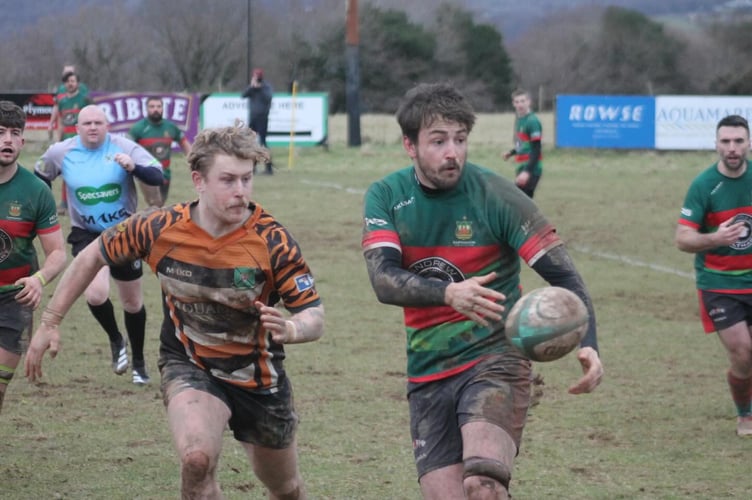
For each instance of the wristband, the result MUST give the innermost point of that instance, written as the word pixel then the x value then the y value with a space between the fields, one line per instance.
pixel 292 331
pixel 38 275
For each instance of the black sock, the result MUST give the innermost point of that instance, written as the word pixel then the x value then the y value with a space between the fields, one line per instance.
pixel 105 314
pixel 135 325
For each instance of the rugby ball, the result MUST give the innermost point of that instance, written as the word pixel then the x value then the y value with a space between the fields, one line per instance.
pixel 547 323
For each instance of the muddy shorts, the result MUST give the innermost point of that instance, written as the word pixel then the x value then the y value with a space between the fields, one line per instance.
pixel 263 419
pixel 496 390
pixel 15 323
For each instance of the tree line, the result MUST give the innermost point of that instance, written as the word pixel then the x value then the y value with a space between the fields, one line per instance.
pixel 194 45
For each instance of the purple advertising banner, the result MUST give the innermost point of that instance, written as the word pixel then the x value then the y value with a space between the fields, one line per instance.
pixel 123 109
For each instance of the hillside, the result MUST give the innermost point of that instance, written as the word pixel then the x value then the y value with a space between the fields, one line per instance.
pixel 511 17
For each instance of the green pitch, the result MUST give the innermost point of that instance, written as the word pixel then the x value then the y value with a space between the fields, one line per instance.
pixel 661 426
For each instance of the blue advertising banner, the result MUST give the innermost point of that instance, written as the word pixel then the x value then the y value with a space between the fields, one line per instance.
pixel 597 121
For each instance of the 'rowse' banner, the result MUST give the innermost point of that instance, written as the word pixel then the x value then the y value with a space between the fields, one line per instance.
pixel 644 122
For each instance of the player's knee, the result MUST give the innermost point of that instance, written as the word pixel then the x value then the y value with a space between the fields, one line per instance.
pixel 290 492
pixel 196 465
pixel 485 473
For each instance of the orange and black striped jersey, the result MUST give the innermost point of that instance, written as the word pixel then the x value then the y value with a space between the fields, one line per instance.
pixel 210 284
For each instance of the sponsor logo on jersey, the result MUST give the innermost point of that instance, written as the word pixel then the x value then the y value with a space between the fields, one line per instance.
pixel 6 245
pixel 245 277
pixel 404 203
pixel 304 282
pixel 375 222
pixel 437 268
pixel 104 194
pixel 745 240
pixel 463 230
pixel 686 212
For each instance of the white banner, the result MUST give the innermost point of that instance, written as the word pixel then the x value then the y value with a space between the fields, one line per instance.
pixel 689 122
pixel 303 118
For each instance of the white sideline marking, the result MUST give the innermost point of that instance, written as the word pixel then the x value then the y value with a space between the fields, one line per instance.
pixel 586 250
pixel 632 262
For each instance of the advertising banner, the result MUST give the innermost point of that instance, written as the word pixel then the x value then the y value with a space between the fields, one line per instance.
pixel 688 122
pixel 123 109
pixel 302 119
pixel 598 121
pixel 38 108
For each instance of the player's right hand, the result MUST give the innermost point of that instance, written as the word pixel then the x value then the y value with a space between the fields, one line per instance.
pixel 45 338
pixel 729 232
pixel 473 299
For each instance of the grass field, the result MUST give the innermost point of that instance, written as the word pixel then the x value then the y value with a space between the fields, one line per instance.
pixel 661 426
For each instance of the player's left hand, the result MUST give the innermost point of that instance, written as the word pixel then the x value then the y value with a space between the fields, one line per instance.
pixel 125 161
pixel 276 324
pixel 591 367
pixel 46 337
pixel 31 293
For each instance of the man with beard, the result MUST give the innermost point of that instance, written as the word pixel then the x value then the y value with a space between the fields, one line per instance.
pixel 27 210
pixel 443 239
pixel 223 263
pixel 99 170
pixel 156 134
pixel 716 225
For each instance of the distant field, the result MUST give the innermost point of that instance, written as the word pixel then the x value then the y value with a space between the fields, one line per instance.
pixel 490 129
pixel 661 426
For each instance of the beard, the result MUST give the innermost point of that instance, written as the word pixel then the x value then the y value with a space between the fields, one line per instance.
pixel 156 117
pixel 9 163
pixel 444 178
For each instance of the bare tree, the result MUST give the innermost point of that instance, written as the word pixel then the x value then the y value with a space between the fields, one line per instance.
pixel 203 42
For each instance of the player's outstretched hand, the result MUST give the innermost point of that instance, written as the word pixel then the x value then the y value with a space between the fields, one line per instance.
pixel 46 337
pixel 591 367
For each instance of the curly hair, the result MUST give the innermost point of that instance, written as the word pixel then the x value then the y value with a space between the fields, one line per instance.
pixel 237 141
pixel 428 102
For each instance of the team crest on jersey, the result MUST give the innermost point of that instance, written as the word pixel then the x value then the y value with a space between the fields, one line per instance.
pixel 463 230
pixel 745 240
pixel 14 210
pixel 6 245
pixel 437 268
pixel 245 277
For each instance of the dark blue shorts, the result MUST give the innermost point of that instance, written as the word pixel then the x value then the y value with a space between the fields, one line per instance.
pixel 81 238
pixel 719 311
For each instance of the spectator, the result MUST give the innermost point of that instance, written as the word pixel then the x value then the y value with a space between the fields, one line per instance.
pixel 259 94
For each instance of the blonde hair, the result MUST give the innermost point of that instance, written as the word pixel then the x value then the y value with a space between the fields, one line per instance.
pixel 238 141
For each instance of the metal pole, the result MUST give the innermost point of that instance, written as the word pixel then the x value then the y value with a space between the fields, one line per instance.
pixel 248 42
pixel 352 78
